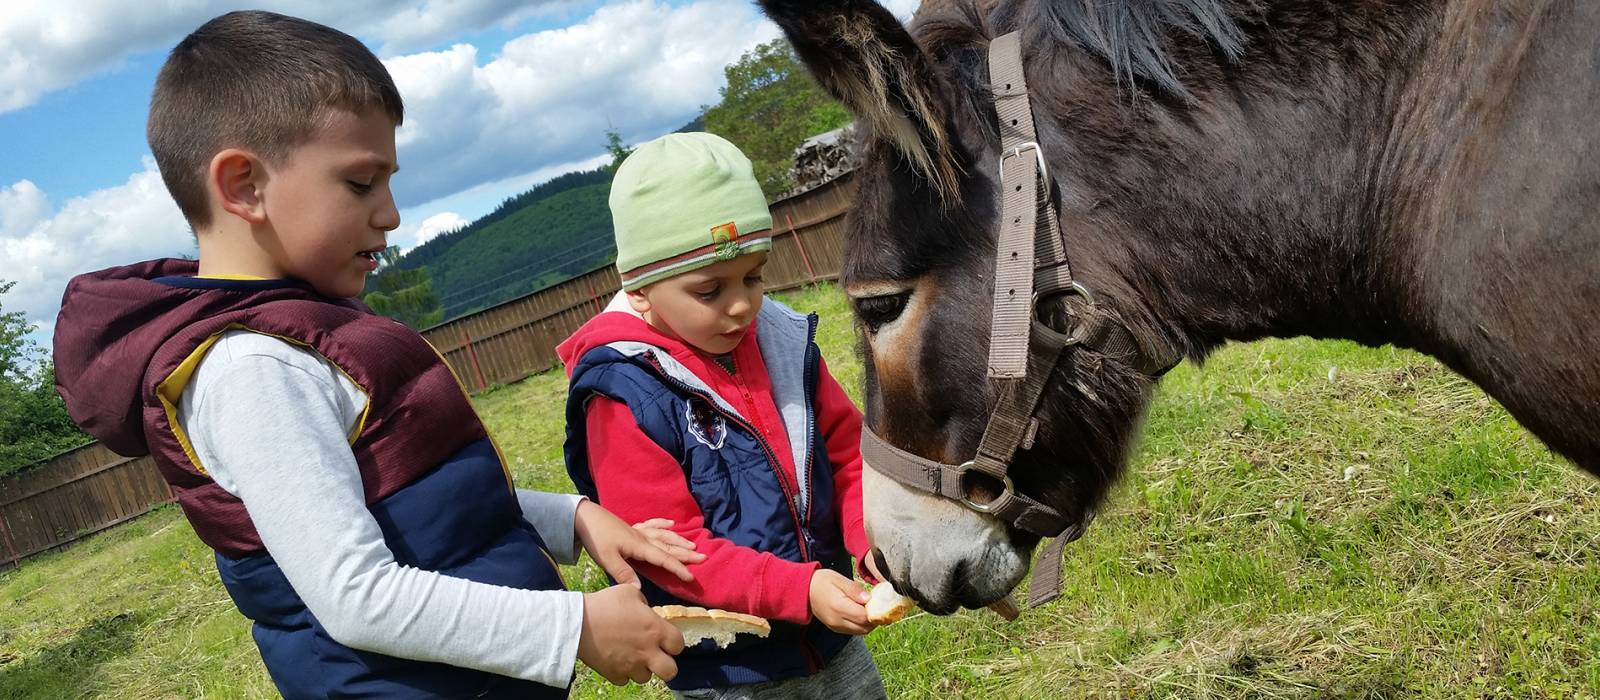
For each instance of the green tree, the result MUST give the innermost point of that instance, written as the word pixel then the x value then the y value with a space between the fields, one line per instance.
pixel 769 107
pixel 405 295
pixel 619 151
pixel 33 420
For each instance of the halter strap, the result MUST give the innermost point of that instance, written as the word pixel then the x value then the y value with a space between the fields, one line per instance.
pixel 1030 268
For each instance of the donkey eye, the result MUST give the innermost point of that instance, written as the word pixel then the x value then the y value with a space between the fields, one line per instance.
pixel 876 311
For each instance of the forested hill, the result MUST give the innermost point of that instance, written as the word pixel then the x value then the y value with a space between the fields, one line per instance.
pixel 562 228
pixel 543 243
pixel 547 234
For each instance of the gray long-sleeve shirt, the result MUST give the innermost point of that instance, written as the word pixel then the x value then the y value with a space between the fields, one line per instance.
pixel 270 422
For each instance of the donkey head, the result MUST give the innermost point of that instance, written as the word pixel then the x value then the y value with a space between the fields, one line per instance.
pixel 918 270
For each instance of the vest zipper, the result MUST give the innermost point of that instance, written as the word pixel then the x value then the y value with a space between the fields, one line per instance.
pixel 772 456
pixel 809 390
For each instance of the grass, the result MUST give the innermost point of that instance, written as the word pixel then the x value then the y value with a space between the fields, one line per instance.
pixel 1302 520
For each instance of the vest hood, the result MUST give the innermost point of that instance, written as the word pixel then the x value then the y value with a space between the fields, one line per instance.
pixel 113 322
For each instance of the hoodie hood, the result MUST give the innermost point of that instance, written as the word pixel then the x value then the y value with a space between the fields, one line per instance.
pixel 114 322
pixel 619 323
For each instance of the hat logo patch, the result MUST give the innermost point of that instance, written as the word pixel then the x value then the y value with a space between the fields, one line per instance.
pixel 725 241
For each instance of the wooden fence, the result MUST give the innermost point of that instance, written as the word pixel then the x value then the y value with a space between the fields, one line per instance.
pixel 517 338
pixel 74 495
pixel 89 489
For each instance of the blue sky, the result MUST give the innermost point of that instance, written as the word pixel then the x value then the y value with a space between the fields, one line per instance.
pixel 500 95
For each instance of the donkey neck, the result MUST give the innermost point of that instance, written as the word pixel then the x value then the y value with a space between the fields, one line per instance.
pixel 1258 209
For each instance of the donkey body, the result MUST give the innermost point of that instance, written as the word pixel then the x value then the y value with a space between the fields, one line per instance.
pixel 1424 174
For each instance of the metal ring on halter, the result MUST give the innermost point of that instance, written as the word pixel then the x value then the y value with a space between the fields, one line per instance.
pixel 1074 289
pixel 1016 151
pixel 1007 487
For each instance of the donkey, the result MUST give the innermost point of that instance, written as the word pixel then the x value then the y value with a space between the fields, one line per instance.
pixel 1424 174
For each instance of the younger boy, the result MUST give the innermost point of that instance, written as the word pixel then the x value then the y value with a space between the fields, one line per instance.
pixel 360 513
pixel 694 398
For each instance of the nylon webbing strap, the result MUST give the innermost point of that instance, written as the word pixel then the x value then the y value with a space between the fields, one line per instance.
pixel 939 479
pixel 1019 183
pixel 1045 585
pixel 916 472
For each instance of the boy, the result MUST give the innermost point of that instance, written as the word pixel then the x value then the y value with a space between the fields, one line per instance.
pixel 360 513
pixel 676 407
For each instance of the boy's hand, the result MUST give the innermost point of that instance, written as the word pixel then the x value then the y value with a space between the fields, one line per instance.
pixel 623 639
pixel 612 543
pixel 839 603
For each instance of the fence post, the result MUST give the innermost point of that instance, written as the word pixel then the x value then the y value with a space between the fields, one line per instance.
pixel 797 244
pixel 594 293
pixel 11 546
pixel 472 354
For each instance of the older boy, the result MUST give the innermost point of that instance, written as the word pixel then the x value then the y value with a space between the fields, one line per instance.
pixel 360 513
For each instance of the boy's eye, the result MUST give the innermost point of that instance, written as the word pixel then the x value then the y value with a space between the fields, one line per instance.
pixel 707 294
pixel 360 187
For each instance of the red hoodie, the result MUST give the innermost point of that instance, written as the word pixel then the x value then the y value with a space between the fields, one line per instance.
pixel 637 480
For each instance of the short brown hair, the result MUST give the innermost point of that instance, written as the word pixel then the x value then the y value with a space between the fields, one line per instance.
pixel 259 81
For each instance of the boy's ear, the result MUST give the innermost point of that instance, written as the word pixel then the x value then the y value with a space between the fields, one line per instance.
pixel 235 178
pixel 639 301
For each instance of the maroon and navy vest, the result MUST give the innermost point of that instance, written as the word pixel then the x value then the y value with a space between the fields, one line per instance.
pixel 433 479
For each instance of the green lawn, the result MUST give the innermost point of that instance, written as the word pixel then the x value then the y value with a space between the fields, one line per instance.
pixel 1303 519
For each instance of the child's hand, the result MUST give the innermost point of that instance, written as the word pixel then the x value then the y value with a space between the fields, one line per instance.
pixel 612 543
pixel 623 639
pixel 839 603
pixel 657 531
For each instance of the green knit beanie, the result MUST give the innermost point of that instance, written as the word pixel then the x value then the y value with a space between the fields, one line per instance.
pixel 682 202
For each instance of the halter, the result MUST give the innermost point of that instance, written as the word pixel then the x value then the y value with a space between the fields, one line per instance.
pixel 1030 269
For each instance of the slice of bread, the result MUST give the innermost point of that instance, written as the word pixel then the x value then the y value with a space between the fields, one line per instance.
pixel 886 606
pixel 719 626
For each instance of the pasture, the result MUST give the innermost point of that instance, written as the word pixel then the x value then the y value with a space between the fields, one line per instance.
pixel 1302 520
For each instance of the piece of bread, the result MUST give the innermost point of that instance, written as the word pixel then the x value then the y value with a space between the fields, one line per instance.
pixel 886 605
pixel 719 626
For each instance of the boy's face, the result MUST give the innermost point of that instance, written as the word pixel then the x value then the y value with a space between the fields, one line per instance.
pixel 711 308
pixel 329 203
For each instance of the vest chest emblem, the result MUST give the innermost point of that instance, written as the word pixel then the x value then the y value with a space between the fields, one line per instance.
pixel 705 424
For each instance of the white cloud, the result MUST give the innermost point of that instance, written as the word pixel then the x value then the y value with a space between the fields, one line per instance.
pixel 21 206
pixel 643 67
pixel 409 28
pixel 47 45
pixel 42 249
pixel 901 8
pixel 432 226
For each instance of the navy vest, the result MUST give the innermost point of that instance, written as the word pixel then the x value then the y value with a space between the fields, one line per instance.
pixel 731 472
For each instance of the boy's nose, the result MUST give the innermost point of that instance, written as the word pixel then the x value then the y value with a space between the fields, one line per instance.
pixel 387 218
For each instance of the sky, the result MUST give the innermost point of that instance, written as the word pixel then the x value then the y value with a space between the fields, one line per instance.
pixel 500 95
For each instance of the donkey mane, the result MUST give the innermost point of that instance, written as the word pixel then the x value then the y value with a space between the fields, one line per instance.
pixel 1138 39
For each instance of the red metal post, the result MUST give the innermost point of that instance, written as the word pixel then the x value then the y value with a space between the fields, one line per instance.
pixel 803 257
pixel 594 293
pixel 472 354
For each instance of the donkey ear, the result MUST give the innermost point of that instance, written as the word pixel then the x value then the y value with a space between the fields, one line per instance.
pixel 866 59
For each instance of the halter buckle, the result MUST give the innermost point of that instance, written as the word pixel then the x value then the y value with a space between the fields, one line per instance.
pixel 1016 151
